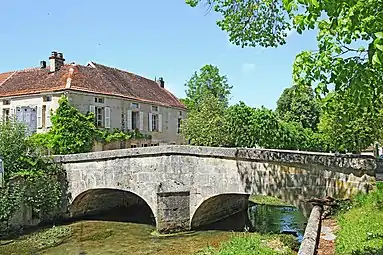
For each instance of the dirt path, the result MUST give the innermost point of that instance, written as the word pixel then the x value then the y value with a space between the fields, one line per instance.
pixel 327 237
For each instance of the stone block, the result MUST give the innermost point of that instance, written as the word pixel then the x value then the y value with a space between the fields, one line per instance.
pixel 173 211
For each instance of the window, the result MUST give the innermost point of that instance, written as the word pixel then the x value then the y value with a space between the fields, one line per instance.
pixel 100 116
pixel 180 113
pixel 6 102
pixel 133 146
pixel 122 121
pixel 135 118
pixel 154 108
pixel 6 114
pixel 179 125
pixel 99 100
pixel 154 122
pixel 47 98
pixel 135 105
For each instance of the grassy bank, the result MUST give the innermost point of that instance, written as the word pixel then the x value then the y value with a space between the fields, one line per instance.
pixel 253 244
pixel 361 226
pixel 35 242
pixel 267 200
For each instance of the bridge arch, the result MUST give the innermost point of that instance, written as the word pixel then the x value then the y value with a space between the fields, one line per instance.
pixel 99 200
pixel 218 207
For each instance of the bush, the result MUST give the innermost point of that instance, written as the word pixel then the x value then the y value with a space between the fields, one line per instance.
pixel 30 178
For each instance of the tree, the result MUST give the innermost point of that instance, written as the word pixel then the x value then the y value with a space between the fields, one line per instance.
pixel 350 39
pixel 207 81
pixel 298 104
pixel 346 126
pixel 204 126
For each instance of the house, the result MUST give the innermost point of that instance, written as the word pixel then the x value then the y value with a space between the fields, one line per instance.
pixel 119 99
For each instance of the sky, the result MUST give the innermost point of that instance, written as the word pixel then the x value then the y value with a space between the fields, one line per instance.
pixel 151 38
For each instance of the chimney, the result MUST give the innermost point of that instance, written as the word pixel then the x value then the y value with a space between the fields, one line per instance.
pixel 43 64
pixel 56 61
pixel 161 82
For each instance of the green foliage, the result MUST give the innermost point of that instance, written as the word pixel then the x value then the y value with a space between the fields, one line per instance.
pixel 34 180
pixel 361 230
pixel 36 242
pixel 204 126
pixel 350 39
pixel 348 126
pixel 206 82
pixel 12 145
pixel 253 244
pixel 118 135
pixel 249 127
pixel 73 132
pixel 267 200
pixel 298 104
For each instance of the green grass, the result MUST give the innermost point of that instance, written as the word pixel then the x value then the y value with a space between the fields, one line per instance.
pixel 361 226
pixel 254 244
pixel 32 243
pixel 268 200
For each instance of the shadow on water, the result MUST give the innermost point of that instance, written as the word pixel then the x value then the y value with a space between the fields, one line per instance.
pixel 132 214
pixel 264 219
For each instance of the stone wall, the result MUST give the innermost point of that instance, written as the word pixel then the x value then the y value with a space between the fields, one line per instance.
pixel 209 172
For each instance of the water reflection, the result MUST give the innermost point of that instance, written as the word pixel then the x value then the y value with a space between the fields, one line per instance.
pixel 264 219
pixel 277 219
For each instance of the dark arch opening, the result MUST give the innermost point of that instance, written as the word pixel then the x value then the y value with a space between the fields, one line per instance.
pixel 222 212
pixel 111 205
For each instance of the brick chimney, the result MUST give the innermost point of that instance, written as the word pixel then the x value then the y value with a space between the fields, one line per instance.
pixel 56 61
pixel 161 82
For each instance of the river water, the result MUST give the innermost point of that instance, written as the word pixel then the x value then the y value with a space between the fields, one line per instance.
pixel 114 233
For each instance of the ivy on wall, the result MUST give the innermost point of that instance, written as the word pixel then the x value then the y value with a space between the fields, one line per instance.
pixel 74 132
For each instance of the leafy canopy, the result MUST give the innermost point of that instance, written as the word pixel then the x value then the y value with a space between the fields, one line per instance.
pixel 204 126
pixel 206 82
pixel 346 126
pixel 207 96
pixel 350 39
pixel 298 104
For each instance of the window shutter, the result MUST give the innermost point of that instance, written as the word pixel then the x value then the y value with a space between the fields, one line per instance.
pixel 141 121
pixel 129 116
pixel 39 116
pixel 107 117
pixel 159 122
pixel 12 112
pixel 150 122
pixel 48 121
pixel 92 109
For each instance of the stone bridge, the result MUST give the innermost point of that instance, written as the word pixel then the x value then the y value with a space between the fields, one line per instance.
pixel 188 186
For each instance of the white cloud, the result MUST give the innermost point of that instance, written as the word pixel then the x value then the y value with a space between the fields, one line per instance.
pixel 247 67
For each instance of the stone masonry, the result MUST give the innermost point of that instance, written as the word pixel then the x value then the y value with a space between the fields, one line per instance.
pixel 190 186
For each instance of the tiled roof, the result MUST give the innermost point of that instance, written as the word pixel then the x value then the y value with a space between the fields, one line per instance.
pixel 5 76
pixel 94 78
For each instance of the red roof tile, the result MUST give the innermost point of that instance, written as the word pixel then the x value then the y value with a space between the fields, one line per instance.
pixel 5 76
pixel 94 78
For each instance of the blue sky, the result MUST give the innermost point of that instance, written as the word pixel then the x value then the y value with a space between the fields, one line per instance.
pixel 147 37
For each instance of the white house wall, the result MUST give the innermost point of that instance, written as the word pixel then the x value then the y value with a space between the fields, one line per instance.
pixel 30 101
pixel 117 105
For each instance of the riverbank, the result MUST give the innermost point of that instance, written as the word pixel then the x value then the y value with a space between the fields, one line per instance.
pixel 361 225
pixel 114 233
pixel 255 244
pixel 97 237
